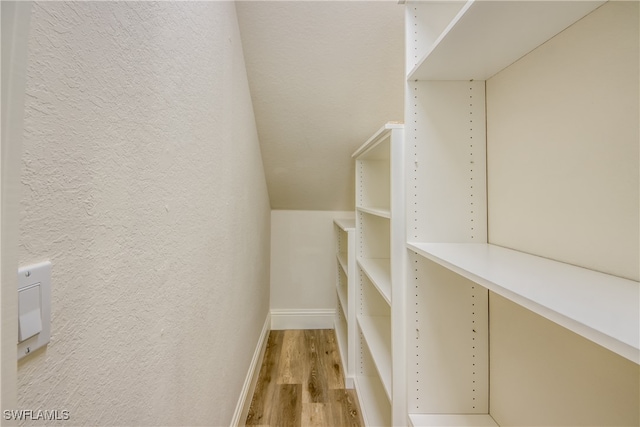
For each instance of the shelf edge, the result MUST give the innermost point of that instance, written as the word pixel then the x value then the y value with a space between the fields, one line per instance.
pixel 607 341
pixel 383 213
pixel 374 281
pixel 377 137
pixel 454 21
pixel 385 379
pixel 452 420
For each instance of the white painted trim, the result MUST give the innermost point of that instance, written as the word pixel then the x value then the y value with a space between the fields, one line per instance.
pixel 16 19
pixel 244 402
pixel 349 382
pixel 302 319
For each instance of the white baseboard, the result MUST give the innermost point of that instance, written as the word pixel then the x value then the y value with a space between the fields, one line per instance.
pixel 349 383
pixel 244 402
pixel 302 319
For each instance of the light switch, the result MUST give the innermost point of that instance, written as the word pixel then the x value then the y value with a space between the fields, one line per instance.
pixel 30 313
pixel 34 307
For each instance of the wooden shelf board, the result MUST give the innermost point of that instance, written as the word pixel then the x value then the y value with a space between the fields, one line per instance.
pixel 342 259
pixel 511 29
pixel 452 420
pixel 382 212
pixel 377 334
pixel 600 307
pixel 378 270
pixel 375 406
pixel 345 224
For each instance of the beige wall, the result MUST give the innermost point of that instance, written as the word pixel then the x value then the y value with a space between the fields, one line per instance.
pixel 545 375
pixel 143 184
pixel 562 166
pixel 562 146
pixel 303 259
pixel 324 76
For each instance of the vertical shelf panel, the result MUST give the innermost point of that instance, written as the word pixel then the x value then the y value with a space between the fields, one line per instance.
pixel 345 323
pixel 447 162
pixel 449 336
pixel 381 257
pixel 398 288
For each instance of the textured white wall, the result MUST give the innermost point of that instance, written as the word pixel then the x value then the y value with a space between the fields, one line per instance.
pixel 303 259
pixel 143 184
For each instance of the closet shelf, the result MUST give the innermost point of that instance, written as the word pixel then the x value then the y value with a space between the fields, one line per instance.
pixel 373 402
pixel 452 420
pixel 342 260
pixel 342 297
pixel 377 334
pixel 345 224
pixel 345 321
pixel 368 148
pixel 509 31
pixel 379 246
pixel 341 337
pixel 600 307
pixel 384 213
pixel 378 270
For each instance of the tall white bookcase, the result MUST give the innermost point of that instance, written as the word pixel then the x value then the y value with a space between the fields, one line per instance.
pixel 345 322
pixel 380 296
pixel 452 48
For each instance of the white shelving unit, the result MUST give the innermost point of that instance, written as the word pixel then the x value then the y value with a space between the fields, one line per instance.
pixel 448 45
pixel 377 336
pixel 372 396
pixel 380 374
pixel 345 323
pixel 452 48
pixel 378 270
pixel 598 306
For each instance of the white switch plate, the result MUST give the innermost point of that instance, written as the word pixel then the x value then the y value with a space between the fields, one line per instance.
pixel 30 308
pixel 30 278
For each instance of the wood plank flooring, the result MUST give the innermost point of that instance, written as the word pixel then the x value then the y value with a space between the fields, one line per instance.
pixel 301 383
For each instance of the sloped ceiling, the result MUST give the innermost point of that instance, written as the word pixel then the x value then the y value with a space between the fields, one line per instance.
pixel 324 76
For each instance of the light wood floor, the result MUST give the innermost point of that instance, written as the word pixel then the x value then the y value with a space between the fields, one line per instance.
pixel 301 383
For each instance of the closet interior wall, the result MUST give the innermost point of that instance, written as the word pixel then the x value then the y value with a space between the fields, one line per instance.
pixel 562 161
